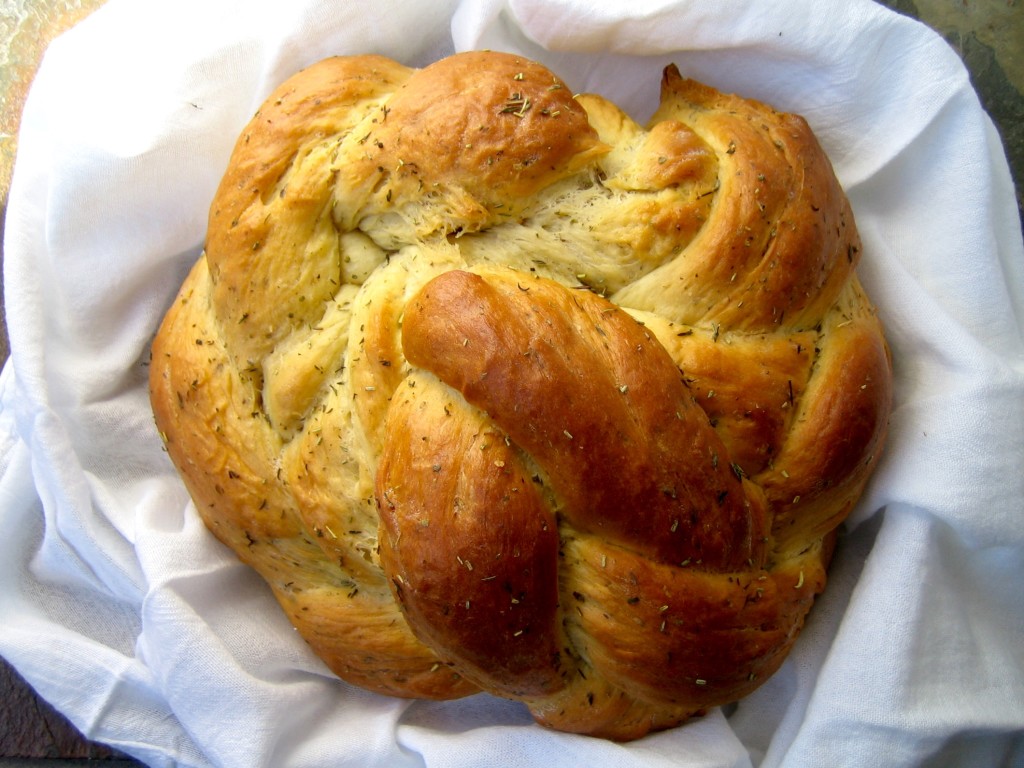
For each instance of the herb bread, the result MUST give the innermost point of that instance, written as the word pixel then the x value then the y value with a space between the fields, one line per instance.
pixel 499 390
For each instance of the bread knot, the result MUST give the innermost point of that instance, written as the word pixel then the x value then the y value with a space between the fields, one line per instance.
pixel 500 390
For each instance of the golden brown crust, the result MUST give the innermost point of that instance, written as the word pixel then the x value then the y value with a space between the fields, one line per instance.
pixel 501 391
pixel 592 398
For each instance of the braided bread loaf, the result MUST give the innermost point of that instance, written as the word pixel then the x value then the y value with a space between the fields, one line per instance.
pixel 500 391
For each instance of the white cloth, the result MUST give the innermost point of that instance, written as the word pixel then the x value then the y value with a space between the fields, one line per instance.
pixel 119 607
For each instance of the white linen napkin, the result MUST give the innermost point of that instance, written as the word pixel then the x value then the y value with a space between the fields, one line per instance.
pixel 119 607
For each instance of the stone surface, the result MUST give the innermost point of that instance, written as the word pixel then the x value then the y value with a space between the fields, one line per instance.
pixel 989 37
pixel 26 28
pixel 31 728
